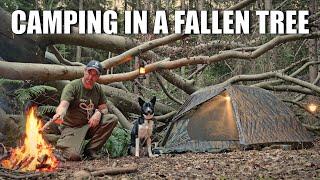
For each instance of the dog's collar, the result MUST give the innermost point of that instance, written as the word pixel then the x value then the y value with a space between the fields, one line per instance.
pixel 149 119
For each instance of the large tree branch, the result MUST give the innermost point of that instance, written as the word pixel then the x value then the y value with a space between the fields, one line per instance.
pixel 200 48
pixel 112 43
pixel 127 56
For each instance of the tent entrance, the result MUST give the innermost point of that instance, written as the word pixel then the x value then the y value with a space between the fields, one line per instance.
pixel 213 121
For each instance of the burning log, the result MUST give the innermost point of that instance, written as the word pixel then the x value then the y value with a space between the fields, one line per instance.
pixel 42 162
pixel 42 159
pixel 15 162
pixel 18 165
pixel 27 162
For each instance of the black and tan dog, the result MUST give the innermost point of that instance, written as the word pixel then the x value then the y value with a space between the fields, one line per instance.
pixel 142 129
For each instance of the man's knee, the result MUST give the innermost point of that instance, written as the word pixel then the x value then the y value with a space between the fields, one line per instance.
pixel 109 118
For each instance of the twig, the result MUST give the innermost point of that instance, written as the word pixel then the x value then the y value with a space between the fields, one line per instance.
pixel 300 47
pixel 197 71
pixel 27 176
pixel 114 171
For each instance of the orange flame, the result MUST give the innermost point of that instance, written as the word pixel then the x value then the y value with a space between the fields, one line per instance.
pixel 35 154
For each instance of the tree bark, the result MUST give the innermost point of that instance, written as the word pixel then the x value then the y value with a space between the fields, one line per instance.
pixel 78 51
pixel 312 45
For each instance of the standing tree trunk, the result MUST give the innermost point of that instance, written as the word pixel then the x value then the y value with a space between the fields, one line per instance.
pixel 183 69
pixel 200 79
pixel 313 56
pixel 268 4
pixel 78 52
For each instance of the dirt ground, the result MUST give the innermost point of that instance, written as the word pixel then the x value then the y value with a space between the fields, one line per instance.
pixel 264 164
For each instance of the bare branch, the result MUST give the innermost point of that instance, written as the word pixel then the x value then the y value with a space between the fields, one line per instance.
pixel 200 48
pixel 299 98
pixel 61 59
pixel 165 117
pixel 122 119
pixel 290 88
pixel 295 73
pixel 256 77
pixel 127 56
pixel 165 90
pixel 184 84
pixel 197 71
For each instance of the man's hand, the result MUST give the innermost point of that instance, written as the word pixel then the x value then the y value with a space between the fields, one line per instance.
pixel 60 112
pixel 95 119
pixel 57 118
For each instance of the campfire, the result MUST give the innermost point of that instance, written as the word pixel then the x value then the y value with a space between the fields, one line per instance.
pixel 35 154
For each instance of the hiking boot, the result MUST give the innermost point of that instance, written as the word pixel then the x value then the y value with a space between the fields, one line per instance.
pixel 90 155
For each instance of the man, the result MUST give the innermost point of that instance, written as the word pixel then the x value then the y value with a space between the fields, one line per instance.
pixel 83 114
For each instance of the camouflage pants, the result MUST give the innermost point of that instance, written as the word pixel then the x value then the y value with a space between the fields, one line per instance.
pixel 72 139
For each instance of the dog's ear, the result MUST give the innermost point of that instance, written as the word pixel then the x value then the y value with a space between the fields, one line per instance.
pixel 153 100
pixel 141 101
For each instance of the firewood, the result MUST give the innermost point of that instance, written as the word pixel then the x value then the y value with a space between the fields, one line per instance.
pixel 21 162
pixel 15 162
pixel 27 162
pixel 42 159
pixel 42 162
pixel 114 171
pixel 43 166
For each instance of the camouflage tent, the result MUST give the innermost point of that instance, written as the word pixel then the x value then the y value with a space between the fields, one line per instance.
pixel 218 118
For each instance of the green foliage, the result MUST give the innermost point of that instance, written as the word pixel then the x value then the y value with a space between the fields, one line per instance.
pixel 117 144
pixel 46 109
pixel 11 5
pixel 8 83
pixel 24 95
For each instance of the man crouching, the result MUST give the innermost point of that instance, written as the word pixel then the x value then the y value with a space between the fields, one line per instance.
pixel 82 113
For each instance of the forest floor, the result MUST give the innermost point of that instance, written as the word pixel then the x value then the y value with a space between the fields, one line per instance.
pixel 253 164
